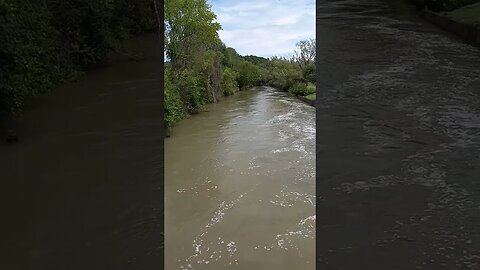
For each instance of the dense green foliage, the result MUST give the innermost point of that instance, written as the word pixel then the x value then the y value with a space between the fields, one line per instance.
pixel 173 103
pixel 229 81
pixel 283 73
pixel 45 42
pixel 201 69
pixel 249 75
pixel 191 44
pixel 295 75
pixel 302 89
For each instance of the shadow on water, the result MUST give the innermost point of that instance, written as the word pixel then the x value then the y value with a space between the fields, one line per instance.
pixel 398 140
pixel 81 189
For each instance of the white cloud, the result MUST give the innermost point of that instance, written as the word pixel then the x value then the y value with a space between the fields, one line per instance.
pixel 267 27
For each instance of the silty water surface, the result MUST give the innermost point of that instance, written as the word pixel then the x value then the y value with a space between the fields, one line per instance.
pixel 240 185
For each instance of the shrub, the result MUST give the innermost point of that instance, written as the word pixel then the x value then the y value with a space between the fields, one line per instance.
pixel 42 43
pixel 173 108
pixel 248 75
pixel 284 74
pixel 302 89
pixel 310 73
pixel 311 88
pixel 192 90
pixel 229 81
pixel 27 53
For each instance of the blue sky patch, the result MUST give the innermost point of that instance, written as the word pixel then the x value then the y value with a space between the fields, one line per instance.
pixel 265 28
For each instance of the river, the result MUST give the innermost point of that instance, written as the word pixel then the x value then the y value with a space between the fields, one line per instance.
pixel 398 140
pixel 82 189
pixel 240 185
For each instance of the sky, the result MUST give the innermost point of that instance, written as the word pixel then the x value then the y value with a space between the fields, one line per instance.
pixel 265 27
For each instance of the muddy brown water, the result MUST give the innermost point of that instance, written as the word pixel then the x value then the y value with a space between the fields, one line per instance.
pixel 398 140
pixel 240 185
pixel 82 187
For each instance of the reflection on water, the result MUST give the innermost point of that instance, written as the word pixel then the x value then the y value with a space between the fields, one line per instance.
pixel 240 185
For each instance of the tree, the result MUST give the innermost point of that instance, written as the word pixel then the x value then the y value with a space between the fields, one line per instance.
pixel 173 105
pixel 305 52
pixel 43 43
pixel 305 57
pixel 229 81
pixel 192 45
pixel 231 58
pixel 190 30
pixel 249 74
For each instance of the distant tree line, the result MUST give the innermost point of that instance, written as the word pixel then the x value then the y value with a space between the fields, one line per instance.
pixel 295 74
pixel 45 42
pixel 201 69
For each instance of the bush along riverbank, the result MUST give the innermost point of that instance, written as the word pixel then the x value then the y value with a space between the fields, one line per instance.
pixel 45 43
pixel 201 69
pixel 469 14
pixel 459 17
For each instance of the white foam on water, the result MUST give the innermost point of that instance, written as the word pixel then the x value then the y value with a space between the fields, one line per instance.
pixel 290 198
pixel 204 254
pixel 287 241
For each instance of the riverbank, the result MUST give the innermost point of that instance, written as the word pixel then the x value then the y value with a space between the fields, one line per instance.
pixel 467 31
pixel 459 18
pixel 44 44
pixel 130 53
pixel 310 100
pixel 469 14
